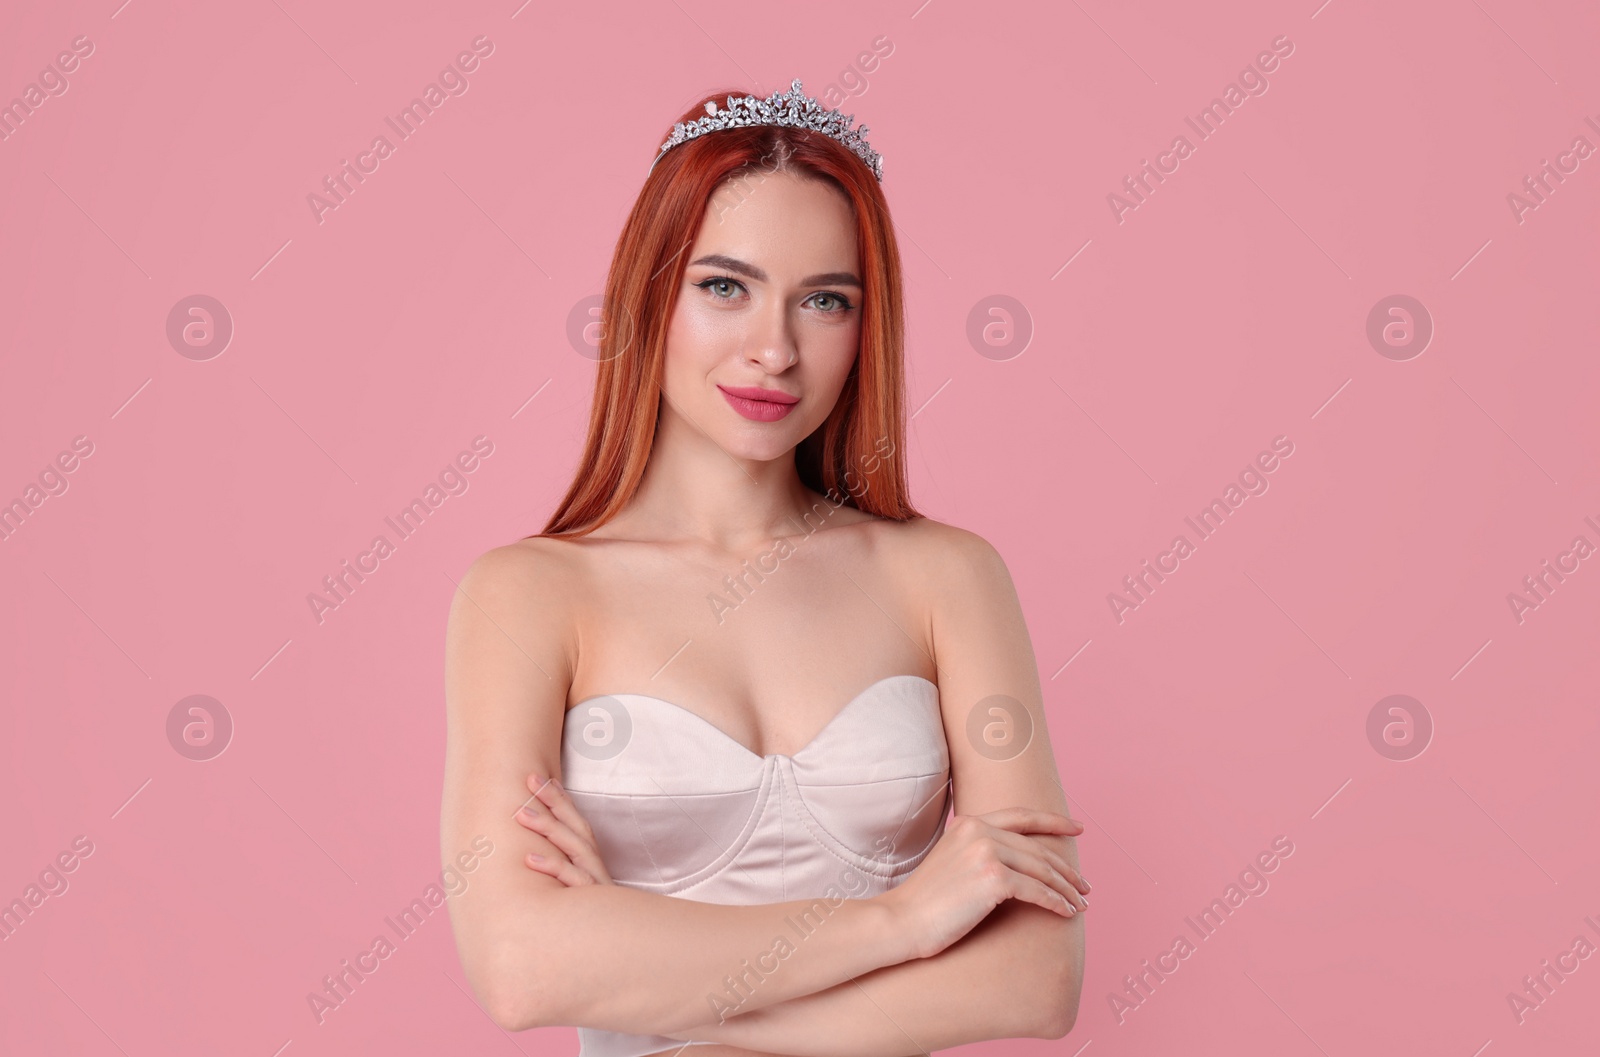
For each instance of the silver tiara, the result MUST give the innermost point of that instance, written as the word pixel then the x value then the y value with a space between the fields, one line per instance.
pixel 793 108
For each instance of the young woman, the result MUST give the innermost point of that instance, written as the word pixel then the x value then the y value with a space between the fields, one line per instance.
pixel 744 680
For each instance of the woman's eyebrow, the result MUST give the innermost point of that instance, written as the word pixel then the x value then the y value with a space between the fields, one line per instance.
pixel 750 271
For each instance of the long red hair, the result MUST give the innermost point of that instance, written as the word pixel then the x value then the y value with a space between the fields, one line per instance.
pixel 846 457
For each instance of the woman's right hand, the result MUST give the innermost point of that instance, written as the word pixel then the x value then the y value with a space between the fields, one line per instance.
pixel 980 861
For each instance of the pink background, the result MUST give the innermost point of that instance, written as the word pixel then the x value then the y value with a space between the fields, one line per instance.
pixel 1228 309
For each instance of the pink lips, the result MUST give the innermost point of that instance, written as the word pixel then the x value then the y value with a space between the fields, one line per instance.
pixel 761 405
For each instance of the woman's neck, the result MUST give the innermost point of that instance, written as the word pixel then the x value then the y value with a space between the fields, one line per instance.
pixel 694 490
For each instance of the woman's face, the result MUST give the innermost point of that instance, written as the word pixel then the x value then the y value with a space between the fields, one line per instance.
pixel 770 301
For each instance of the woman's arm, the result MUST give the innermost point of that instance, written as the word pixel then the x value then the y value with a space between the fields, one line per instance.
pixel 607 956
pixel 1020 972
pixel 972 992
pixel 536 952
pixel 846 1019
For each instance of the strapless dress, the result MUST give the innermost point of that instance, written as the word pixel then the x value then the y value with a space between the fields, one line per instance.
pixel 679 807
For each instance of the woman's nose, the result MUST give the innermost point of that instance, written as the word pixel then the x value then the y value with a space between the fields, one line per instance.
pixel 772 344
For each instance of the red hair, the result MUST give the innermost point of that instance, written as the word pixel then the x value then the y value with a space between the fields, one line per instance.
pixel 845 457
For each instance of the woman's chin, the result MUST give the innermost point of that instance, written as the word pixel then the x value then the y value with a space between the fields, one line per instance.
pixel 762 444
pixel 759 451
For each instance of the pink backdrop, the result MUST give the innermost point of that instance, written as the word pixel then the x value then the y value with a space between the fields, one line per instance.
pixel 1086 376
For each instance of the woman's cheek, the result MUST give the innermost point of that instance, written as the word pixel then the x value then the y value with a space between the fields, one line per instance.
pixel 711 332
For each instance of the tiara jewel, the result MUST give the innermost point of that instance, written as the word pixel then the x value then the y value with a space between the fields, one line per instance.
pixel 793 108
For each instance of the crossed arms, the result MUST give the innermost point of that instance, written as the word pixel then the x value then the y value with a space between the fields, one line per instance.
pixel 539 952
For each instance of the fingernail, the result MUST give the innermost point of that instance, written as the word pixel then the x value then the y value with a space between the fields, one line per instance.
pixel 536 779
pixel 535 858
pixel 529 809
pixel 1086 881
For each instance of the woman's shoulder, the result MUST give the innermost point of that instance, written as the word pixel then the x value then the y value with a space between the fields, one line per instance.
pixel 939 565
pixel 951 577
pixel 937 546
pixel 534 555
pixel 517 603
pixel 541 571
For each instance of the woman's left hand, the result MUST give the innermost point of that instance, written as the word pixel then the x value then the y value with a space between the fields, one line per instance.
pixel 552 814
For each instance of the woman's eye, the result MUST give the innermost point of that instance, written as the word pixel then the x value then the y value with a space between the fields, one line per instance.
pixel 724 289
pixel 717 284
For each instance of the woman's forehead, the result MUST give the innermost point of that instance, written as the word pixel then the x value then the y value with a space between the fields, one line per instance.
pixel 776 235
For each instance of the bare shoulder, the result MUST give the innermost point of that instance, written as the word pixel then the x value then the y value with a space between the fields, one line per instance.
pixel 525 591
pixel 945 559
pixel 535 561
pixel 947 576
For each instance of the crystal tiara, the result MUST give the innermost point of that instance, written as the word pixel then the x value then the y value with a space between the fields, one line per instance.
pixel 793 108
